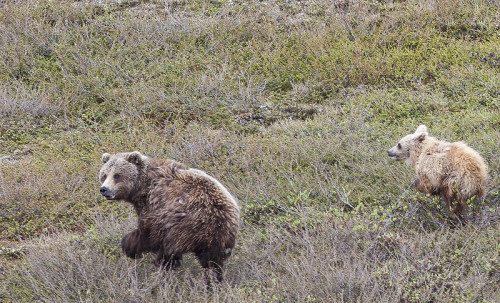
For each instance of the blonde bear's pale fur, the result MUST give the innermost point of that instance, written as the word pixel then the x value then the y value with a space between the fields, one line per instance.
pixel 452 170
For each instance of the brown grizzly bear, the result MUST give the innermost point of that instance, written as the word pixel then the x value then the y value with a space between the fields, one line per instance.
pixel 179 210
pixel 452 170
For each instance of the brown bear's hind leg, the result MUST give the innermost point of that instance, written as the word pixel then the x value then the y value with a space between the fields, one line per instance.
pixel 213 266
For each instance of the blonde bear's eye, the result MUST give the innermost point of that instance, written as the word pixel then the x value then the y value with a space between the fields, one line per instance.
pixel 116 176
pixel 399 145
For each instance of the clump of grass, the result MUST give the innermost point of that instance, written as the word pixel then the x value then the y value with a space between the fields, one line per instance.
pixel 22 102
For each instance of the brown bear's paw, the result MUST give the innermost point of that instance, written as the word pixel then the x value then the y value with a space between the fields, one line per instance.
pixel 132 245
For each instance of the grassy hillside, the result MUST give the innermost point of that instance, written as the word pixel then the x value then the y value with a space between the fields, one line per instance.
pixel 291 104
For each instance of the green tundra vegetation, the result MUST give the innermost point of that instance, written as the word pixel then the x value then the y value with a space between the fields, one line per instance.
pixel 290 104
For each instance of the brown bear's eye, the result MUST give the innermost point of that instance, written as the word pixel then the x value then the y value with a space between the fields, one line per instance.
pixel 104 177
pixel 399 145
pixel 116 176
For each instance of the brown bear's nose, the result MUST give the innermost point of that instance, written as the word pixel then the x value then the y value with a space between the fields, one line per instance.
pixel 104 189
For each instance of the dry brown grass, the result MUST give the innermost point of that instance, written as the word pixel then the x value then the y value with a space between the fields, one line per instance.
pixel 332 259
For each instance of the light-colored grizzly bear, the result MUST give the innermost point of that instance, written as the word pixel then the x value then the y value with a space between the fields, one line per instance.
pixel 452 170
pixel 179 210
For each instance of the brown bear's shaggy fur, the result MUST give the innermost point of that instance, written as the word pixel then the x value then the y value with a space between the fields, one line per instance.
pixel 452 170
pixel 179 210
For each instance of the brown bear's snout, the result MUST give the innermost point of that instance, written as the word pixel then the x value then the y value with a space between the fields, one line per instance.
pixel 104 189
pixel 105 192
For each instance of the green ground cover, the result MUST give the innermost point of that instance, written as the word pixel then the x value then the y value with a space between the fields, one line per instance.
pixel 291 104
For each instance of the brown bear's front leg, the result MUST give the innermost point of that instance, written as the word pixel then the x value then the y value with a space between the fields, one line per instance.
pixel 167 262
pixel 134 244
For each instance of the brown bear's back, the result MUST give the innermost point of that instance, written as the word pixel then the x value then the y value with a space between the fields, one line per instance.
pixel 190 210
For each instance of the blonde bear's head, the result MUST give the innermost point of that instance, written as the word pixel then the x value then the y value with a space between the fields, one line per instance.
pixel 405 147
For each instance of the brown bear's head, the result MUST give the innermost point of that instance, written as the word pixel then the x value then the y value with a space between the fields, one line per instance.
pixel 402 151
pixel 120 174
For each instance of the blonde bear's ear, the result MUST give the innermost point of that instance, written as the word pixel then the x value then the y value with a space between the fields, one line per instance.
pixel 420 136
pixel 421 129
pixel 135 157
pixel 105 158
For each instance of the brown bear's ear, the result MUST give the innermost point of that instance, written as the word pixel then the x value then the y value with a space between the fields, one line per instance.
pixel 421 129
pixel 105 158
pixel 135 157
